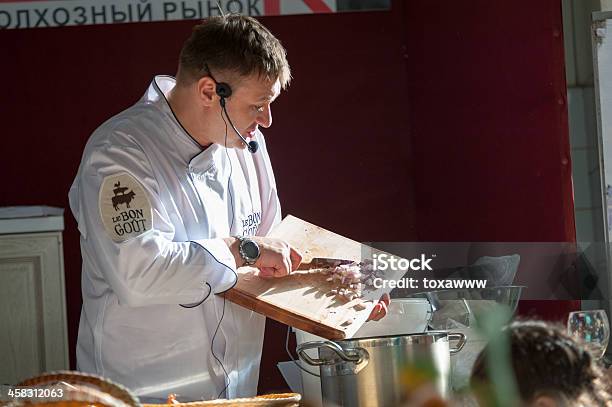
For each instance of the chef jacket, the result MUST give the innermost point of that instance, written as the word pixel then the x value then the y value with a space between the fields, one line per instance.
pixel 152 208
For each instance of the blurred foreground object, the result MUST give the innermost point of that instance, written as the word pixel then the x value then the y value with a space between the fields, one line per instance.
pixel 461 310
pixel 269 400
pixel 74 389
pixel 538 364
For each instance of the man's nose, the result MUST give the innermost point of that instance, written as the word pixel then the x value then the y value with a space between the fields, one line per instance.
pixel 264 119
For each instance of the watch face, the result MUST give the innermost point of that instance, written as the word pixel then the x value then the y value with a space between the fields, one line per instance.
pixel 251 250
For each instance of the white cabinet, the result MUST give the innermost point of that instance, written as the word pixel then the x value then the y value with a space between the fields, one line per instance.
pixel 33 329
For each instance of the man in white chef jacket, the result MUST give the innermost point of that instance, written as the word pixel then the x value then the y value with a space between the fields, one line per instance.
pixel 169 203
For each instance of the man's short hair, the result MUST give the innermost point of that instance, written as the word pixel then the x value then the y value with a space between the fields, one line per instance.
pixel 235 44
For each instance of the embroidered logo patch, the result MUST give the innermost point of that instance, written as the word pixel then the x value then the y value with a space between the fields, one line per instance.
pixel 124 207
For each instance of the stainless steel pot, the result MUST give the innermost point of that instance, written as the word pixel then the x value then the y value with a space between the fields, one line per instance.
pixel 372 371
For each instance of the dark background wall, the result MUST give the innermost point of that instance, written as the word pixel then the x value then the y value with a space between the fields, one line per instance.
pixel 435 121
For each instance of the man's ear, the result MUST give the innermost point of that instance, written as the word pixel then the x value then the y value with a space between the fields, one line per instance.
pixel 544 401
pixel 206 90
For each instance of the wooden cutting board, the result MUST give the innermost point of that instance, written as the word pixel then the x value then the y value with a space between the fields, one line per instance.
pixel 301 299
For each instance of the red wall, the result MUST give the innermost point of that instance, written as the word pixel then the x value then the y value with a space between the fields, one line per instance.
pixel 430 122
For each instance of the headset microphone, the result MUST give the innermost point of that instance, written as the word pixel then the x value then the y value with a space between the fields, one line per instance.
pixel 224 91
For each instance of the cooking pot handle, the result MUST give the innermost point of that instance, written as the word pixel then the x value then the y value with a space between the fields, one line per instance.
pixel 457 336
pixel 350 355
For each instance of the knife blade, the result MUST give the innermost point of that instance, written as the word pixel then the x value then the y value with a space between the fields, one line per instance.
pixel 323 262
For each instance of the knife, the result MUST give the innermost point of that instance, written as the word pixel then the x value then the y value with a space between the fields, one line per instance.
pixel 323 262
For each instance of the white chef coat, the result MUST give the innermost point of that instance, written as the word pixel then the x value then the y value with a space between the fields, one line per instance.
pixel 135 274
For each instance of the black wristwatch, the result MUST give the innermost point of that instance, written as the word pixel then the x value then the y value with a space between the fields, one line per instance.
pixel 248 249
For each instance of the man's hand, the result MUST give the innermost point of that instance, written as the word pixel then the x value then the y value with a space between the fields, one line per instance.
pixel 276 259
pixel 380 310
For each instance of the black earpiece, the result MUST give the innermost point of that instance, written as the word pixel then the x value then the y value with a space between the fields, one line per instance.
pixel 223 90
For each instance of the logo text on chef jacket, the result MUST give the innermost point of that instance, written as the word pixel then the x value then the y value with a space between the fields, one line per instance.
pixel 129 221
pixel 388 262
pixel 251 223
pixel 125 207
